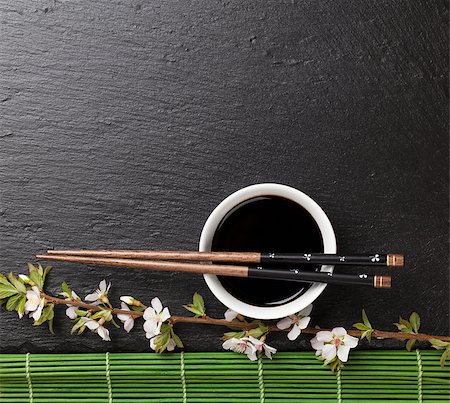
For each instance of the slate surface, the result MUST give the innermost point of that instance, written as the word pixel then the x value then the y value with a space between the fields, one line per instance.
pixel 124 123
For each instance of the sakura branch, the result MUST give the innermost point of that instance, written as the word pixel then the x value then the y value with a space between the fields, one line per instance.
pixel 26 295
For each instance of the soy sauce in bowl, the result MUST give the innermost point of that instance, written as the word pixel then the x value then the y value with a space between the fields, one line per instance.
pixel 267 224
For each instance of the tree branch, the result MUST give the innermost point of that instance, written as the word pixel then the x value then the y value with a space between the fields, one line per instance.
pixel 206 320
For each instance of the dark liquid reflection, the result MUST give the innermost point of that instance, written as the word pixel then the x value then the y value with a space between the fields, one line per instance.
pixel 267 224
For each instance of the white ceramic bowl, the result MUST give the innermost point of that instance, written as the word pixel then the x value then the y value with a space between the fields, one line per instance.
pixel 265 189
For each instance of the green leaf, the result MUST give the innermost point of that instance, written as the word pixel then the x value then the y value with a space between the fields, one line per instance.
pixel 31 268
pixel 21 306
pixel 199 303
pixel 3 280
pixel 161 342
pixel 360 326
pixel 414 319
pixel 256 333
pixel 439 343
pixel 405 323
pixel 445 356
pixel 137 308
pixel 78 325
pixel 46 271
pixel 65 289
pixel 367 334
pixel 193 309
pixel 177 340
pixel 14 302
pixel 410 344
pixel 7 290
pixel 230 335
pixel 37 279
pixel 366 319
pixel 16 283
pixel 400 326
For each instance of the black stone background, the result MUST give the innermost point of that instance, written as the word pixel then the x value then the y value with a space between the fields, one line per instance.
pixel 124 123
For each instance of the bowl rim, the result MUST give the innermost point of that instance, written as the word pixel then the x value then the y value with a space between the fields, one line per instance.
pixel 249 192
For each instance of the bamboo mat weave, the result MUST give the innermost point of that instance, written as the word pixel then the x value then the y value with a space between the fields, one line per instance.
pixel 380 376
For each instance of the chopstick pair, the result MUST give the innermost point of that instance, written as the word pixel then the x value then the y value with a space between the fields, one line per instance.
pixel 255 264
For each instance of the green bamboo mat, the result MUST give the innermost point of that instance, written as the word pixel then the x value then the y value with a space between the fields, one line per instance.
pixel 381 376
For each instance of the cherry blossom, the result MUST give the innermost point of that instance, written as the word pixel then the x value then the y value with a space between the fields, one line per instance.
pixel 100 295
pixel 35 303
pixel 96 327
pixel 126 319
pixel 335 343
pixel 154 317
pixel 262 346
pixel 230 315
pixel 71 311
pixel 242 345
pixel 298 322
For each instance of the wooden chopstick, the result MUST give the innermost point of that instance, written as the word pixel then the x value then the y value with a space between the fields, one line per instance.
pixel 374 259
pixel 251 271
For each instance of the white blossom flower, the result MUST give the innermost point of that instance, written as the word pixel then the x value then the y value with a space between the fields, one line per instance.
pixel 337 342
pixel 170 346
pixel 35 303
pixel 71 311
pixel 262 346
pixel 100 295
pixel 243 346
pixel 127 320
pixel 154 317
pixel 230 315
pixel 96 327
pixel 299 321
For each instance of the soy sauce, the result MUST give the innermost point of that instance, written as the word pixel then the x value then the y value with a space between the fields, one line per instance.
pixel 267 224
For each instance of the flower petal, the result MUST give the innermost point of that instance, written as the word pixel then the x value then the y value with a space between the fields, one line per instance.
pixel 90 323
pixel 339 331
pixel 329 351
pixel 156 304
pixel 306 311
pixel 91 297
pixel 284 323
pixel 316 344
pixel 129 324
pixel 75 296
pixel 294 333
pixel 342 353
pixel 230 315
pixel 250 351
pixel 103 333
pixel 171 345
pixel 71 312
pixel 303 322
pixel 324 336
pixel 152 343
pixel 230 343
pixel 350 341
pixel 164 315
pixel 268 351
pixel 151 327
pixel 149 313
pixel 102 286
pixel 38 312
